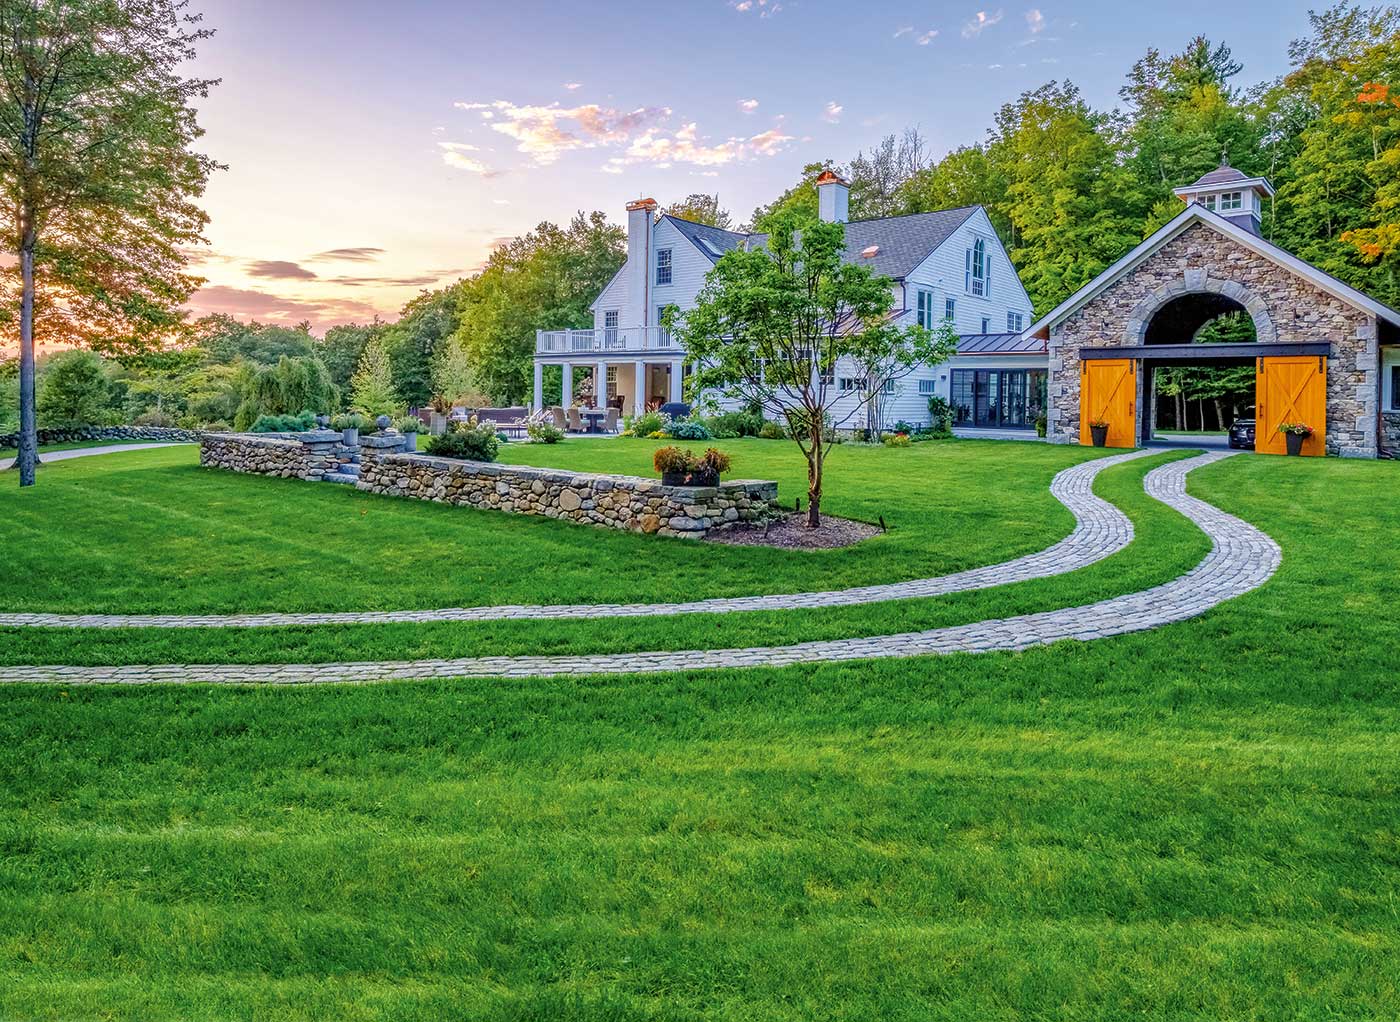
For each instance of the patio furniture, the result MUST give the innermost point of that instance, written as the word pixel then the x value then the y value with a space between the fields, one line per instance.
pixel 610 422
pixel 676 410
pixel 575 423
pixel 561 418
pixel 595 417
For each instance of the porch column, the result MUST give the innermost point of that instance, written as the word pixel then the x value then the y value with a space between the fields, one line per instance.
pixel 600 386
pixel 677 394
pixel 639 394
pixel 539 387
pixel 566 396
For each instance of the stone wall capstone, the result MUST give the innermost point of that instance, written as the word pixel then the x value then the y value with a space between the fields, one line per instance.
pixel 618 502
pixel 1295 309
pixel 79 434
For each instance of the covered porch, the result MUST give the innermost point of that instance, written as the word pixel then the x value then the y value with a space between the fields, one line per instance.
pixel 632 385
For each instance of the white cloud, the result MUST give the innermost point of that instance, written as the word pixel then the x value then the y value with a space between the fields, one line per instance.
pixel 927 37
pixel 1035 21
pixel 663 149
pixel 765 8
pixel 903 30
pixel 500 202
pixel 831 113
pixel 571 86
pixel 544 132
pixel 748 105
pixel 980 22
pixel 454 154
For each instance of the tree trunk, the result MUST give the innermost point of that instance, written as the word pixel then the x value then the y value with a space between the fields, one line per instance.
pixel 1219 415
pixel 28 437
pixel 1180 410
pixel 814 479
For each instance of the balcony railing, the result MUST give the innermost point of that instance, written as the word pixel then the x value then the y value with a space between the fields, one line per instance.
pixel 620 340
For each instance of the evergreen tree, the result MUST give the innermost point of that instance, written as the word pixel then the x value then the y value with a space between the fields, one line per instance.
pixel 372 385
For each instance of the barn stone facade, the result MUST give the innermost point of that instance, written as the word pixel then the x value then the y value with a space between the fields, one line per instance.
pixel 1286 308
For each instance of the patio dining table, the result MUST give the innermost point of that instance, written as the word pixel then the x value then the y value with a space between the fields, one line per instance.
pixel 595 417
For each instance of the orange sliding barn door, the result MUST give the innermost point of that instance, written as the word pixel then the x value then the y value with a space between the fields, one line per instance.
pixel 1292 389
pixel 1108 393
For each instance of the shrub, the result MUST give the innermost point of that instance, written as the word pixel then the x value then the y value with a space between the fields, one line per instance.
pixel 940 415
pixel 1041 423
pixel 74 390
pixel 290 386
pixel 735 424
pixel 771 431
pixel 285 423
pixel 408 424
pixel 540 428
pixel 471 441
pixel 714 461
pixel 348 420
pixel 898 440
pixel 667 460
pixel 646 424
pixel 688 429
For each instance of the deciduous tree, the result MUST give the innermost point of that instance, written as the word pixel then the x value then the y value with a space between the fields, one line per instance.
pixel 98 174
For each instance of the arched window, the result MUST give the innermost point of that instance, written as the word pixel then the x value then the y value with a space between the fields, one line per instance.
pixel 979 270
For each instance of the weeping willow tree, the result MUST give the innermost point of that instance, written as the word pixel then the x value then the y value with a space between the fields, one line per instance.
pixel 291 386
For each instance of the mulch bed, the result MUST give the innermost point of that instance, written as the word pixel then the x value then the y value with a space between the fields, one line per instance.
pixel 791 532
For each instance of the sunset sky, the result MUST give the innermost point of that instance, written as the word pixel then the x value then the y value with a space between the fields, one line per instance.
pixel 376 149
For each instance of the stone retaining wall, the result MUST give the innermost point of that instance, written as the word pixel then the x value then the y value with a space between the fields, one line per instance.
pixel 617 502
pixel 311 455
pixel 79 434
pixel 1390 432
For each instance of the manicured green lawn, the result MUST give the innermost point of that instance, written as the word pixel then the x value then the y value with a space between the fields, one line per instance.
pixel 152 532
pixel 1200 822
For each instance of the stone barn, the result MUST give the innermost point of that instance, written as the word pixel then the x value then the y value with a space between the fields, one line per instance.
pixel 1325 354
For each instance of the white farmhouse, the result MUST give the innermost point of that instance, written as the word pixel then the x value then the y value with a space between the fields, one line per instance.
pixel 945 265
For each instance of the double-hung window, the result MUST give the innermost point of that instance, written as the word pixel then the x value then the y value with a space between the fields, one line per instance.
pixel 978 278
pixel 1014 323
pixel 986 324
pixel 610 327
pixel 663 266
pixel 925 306
pixel 850 384
pixel 887 387
pixel 926 388
pixel 950 309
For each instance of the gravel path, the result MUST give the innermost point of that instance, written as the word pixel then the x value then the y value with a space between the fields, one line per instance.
pixel 1100 530
pixel 1241 559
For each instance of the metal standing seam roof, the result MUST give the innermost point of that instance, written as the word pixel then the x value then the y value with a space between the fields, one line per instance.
pixel 1222 175
pixel 1000 344
pixel 901 242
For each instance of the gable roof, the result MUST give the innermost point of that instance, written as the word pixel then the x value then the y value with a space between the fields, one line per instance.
pixel 1196 213
pixel 901 242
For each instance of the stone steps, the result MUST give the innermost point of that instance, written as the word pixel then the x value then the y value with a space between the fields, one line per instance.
pixel 344 478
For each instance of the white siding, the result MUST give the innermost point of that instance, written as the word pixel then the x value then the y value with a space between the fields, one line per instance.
pixel 944 270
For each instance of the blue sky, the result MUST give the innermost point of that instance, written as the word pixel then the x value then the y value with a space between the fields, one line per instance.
pixel 377 149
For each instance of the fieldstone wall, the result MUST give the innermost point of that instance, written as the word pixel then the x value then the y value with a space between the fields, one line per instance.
pixel 1286 308
pixel 78 434
pixel 1390 432
pixel 617 502
pixel 312 455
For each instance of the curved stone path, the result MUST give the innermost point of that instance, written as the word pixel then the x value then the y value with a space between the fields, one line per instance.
pixel 1100 530
pixel 1241 559
pixel 88 452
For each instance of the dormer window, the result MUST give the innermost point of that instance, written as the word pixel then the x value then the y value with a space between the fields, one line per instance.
pixel 663 266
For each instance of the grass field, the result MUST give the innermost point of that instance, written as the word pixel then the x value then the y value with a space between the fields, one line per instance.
pixel 1201 822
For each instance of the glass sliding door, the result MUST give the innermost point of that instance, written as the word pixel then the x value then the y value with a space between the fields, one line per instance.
pixel 997 398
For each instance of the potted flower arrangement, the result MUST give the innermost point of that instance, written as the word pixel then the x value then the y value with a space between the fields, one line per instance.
pixel 1294 433
pixel 682 468
pixel 409 426
pixel 1098 429
pixel 349 424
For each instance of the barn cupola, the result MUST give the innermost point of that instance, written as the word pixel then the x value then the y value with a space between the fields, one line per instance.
pixel 1233 194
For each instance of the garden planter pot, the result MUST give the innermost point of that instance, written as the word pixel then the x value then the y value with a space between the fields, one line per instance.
pixel 1294 443
pixel 350 437
pixel 674 478
pixel 1100 435
pixel 410 443
pixel 703 478
pixel 437 423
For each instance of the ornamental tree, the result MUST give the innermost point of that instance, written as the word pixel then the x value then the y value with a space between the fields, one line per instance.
pixel 771 325
pixel 97 175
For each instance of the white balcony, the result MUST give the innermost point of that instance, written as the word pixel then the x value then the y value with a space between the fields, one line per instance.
pixel 632 340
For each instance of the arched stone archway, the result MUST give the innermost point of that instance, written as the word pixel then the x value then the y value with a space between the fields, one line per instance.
pixel 1197 296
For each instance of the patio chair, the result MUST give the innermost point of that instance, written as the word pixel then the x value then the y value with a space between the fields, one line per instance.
pixel 575 421
pixel 610 423
pixel 561 420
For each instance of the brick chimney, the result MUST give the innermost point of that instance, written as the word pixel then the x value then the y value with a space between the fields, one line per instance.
pixel 833 198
